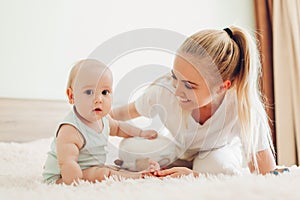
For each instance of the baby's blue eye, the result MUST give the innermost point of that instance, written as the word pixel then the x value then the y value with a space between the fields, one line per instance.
pixel 89 92
pixel 105 92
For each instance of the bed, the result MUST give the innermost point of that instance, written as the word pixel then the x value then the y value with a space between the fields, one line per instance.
pixel 26 132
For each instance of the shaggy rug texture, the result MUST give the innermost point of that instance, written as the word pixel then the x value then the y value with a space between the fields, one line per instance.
pixel 21 168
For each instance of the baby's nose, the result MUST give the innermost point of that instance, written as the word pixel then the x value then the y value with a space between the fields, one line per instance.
pixel 98 98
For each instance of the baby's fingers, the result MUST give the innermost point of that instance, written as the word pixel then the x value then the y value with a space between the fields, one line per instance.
pixel 150 134
pixel 153 136
pixel 154 165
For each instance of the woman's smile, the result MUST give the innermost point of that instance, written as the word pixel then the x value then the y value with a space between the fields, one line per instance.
pixel 183 100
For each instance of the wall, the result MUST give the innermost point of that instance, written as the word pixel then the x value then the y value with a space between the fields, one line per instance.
pixel 40 40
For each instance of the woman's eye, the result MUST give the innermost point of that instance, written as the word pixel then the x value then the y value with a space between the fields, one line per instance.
pixel 105 92
pixel 188 86
pixel 89 92
pixel 173 77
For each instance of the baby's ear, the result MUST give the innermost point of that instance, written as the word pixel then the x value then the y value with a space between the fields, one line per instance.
pixel 70 95
pixel 119 162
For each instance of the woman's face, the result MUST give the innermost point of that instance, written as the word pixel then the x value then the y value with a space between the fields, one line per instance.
pixel 192 89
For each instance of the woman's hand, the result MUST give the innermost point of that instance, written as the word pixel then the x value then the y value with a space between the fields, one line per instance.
pixel 176 172
pixel 148 134
pixel 280 170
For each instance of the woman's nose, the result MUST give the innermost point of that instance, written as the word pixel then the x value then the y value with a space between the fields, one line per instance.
pixel 178 89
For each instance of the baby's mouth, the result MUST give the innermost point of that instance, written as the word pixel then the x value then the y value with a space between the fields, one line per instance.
pixel 97 110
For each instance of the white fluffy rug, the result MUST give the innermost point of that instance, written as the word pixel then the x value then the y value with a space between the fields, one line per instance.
pixel 21 167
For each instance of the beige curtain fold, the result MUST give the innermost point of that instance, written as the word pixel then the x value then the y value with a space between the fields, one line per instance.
pixel 264 34
pixel 286 43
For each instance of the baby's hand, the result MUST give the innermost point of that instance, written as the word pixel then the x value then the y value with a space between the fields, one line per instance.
pixel 153 166
pixel 148 134
pixel 152 169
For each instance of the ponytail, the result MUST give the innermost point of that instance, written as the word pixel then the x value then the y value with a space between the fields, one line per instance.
pixel 251 109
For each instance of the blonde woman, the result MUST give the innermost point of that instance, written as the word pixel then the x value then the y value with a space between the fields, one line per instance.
pixel 212 105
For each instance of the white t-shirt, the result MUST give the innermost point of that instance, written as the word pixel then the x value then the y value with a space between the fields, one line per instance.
pixel 192 137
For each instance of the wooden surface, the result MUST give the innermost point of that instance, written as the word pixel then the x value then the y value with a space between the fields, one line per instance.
pixel 23 120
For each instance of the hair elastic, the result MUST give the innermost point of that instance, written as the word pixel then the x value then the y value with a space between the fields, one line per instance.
pixel 228 31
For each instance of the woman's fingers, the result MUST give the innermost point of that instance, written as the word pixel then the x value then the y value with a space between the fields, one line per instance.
pixel 166 172
pixel 175 172
pixel 176 175
pixel 169 174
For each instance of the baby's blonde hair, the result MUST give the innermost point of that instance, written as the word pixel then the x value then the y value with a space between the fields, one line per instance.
pixel 235 55
pixel 74 71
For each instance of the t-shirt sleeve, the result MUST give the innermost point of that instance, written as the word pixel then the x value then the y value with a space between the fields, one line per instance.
pixel 262 140
pixel 147 104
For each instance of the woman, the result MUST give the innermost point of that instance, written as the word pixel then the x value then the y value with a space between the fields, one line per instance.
pixel 210 102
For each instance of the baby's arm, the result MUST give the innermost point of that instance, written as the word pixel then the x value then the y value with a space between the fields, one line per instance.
pixel 123 129
pixel 125 112
pixel 68 143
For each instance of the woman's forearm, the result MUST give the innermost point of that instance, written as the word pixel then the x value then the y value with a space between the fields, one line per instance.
pixel 265 161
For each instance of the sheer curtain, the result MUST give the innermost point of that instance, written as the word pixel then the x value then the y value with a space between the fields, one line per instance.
pixel 278 27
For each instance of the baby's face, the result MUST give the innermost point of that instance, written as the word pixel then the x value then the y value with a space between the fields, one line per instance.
pixel 93 92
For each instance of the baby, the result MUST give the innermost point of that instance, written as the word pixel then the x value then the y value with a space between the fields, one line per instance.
pixel 78 150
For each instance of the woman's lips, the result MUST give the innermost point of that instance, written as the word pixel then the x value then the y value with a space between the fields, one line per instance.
pixel 183 100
